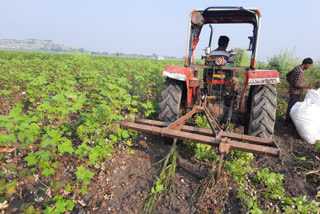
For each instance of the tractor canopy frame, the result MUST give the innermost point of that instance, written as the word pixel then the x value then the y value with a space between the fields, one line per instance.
pixel 222 15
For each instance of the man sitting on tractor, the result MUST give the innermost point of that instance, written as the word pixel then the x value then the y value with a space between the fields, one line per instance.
pixel 221 50
pixel 219 53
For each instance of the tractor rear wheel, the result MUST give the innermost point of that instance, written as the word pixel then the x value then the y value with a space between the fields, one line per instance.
pixel 169 106
pixel 263 111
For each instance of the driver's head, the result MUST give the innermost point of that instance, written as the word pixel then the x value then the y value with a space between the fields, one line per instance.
pixel 223 41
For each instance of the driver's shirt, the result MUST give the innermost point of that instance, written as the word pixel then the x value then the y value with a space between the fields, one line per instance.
pixel 219 53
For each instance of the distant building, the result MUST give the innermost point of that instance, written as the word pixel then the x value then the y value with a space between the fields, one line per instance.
pixel 160 58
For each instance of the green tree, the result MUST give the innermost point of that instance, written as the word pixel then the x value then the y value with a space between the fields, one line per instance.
pixel 242 58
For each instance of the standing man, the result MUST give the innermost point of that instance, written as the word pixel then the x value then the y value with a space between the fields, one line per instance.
pixel 296 84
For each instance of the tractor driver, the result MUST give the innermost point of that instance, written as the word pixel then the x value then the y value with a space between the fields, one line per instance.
pixel 218 53
pixel 221 50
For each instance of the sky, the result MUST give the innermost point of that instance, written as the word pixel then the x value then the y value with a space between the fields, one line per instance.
pixel 159 26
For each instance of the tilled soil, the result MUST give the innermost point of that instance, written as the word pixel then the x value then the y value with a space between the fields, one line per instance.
pixel 130 176
pixel 123 182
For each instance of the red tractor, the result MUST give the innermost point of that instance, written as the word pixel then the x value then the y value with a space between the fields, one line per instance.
pixel 220 88
pixel 220 98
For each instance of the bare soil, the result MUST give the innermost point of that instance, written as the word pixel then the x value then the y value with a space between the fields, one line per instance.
pixel 129 177
pixel 121 184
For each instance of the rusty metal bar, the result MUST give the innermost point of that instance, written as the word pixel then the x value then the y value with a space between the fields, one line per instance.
pixel 256 149
pixel 208 132
pixel 165 132
pixel 224 148
pixel 219 166
pixel 196 138
pixel 221 67
pixel 178 124
pixel 212 123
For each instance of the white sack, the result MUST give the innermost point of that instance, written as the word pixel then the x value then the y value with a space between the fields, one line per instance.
pixel 306 116
pixel 314 96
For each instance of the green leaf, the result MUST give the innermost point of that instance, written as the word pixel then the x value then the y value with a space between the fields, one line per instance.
pixel 113 138
pixel 130 152
pixel 48 171
pixel 288 201
pixel 68 188
pixel 57 186
pixel 43 164
pixel 15 112
pixel 69 205
pixel 83 189
pixel 125 134
pixel 134 103
pixel 84 174
pixel 302 158
pixel 60 204
pixel 83 150
pixel 44 155
pixel 31 158
pixel 93 156
pixel 47 142
pixel 159 187
pixel 7 138
pixel 249 203
pixel 66 147
pixel 55 164
pixel 129 143
pixel 4 118
pixel 6 122
pixel 48 210
pixel 30 210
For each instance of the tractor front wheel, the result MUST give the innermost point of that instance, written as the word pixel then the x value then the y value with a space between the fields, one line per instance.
pixel 169 106
pixel 263 111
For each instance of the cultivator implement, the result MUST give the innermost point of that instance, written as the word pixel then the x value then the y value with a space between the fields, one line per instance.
pixel 215 136
pixel 256 145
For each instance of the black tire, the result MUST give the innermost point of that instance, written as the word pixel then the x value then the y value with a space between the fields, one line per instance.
pixel 169 106
pixel 263 111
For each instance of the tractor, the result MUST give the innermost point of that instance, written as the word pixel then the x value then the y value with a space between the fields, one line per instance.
pixel 219 96
pixel 182 88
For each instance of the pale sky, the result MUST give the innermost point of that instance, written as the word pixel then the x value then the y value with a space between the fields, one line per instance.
pixel 148 26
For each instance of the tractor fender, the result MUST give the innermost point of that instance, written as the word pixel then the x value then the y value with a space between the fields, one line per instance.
pixel 177 72
pixel 184 74
pixel 263 77
pixel 257 77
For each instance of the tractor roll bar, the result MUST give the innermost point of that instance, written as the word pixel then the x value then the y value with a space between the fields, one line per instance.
pixel 225 15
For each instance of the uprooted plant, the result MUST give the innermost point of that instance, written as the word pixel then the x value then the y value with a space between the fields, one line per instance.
pixel 212 194
pixel 164 182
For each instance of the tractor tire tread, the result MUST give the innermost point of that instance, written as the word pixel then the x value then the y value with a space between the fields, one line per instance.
pixel 169 106
pixel 263 111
